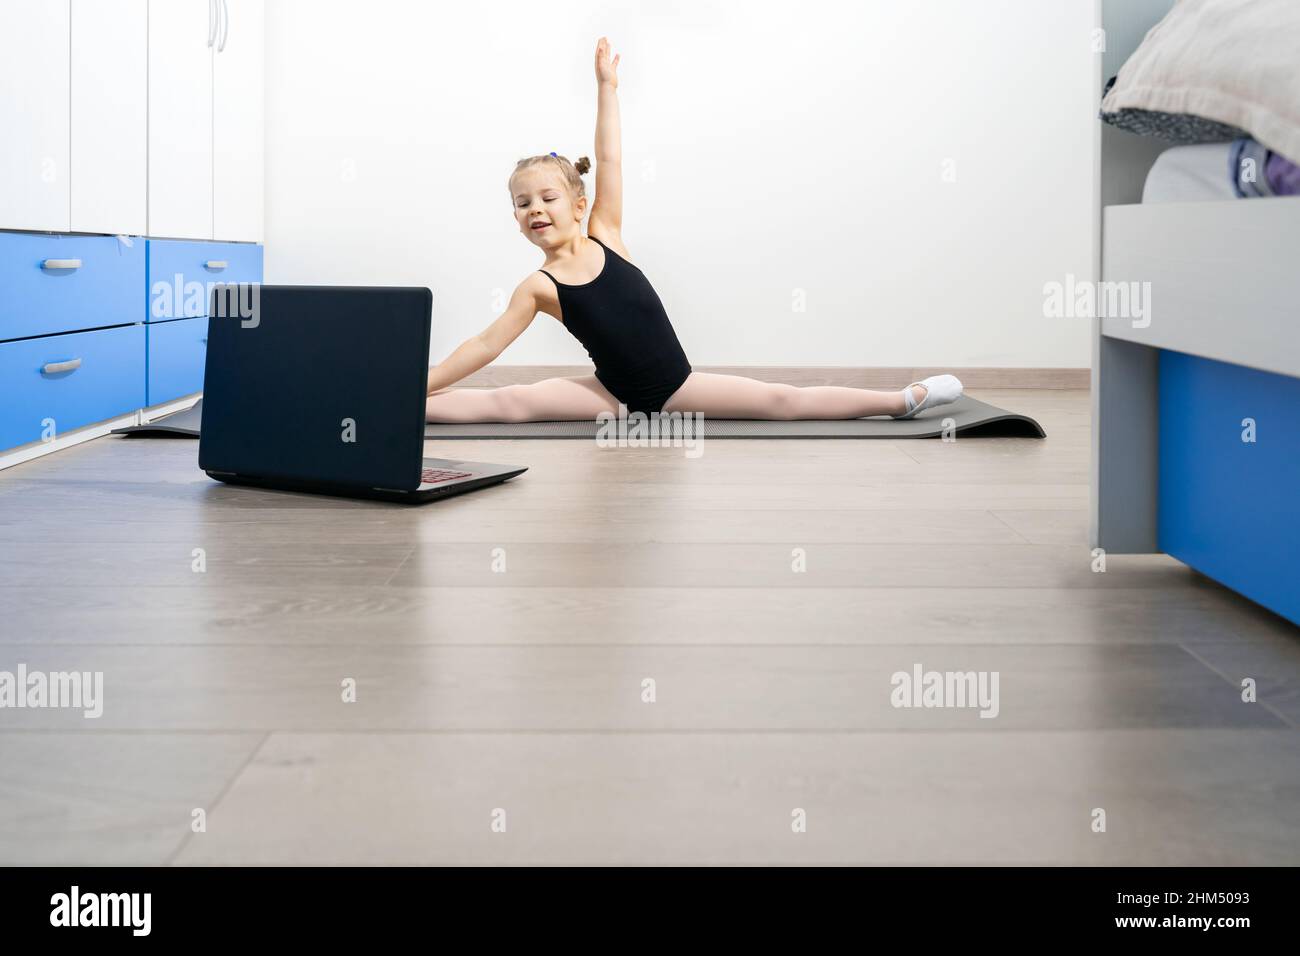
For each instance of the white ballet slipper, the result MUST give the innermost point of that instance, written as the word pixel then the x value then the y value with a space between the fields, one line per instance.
pixel 939 390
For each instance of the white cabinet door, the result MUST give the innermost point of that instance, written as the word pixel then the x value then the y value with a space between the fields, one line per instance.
pixel 110 90
pixel 34 122
pixel 181 40
pixel 237 95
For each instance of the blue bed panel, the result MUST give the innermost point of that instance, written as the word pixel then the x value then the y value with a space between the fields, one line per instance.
pixel 177 353
pixel 109 382
pixel 1231 508
pixel 177 270
pixel 103 290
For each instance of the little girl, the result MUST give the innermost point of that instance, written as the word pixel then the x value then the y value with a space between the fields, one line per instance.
pixel 591 285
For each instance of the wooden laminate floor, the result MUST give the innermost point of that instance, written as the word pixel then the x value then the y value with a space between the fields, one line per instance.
pixel 501 644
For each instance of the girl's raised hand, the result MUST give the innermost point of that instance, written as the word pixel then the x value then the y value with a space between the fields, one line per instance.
pixel 606 72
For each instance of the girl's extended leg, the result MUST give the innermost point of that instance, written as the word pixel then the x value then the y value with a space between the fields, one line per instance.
pixel 734 396
pixel 551 400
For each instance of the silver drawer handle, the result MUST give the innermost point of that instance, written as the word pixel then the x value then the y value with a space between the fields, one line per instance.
pixel 215 264
pixel 225 26
pixel 54 368
pixel 61 264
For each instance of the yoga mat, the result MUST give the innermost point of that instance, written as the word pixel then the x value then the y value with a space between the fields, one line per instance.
pixel 971 417
pixel 183 424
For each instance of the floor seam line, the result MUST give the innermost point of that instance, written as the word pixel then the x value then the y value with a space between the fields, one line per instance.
pixel 170 859
pixel 1231 683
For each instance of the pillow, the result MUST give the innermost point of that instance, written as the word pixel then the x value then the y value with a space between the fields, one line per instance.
pixel 1213 70
pixel 1185 129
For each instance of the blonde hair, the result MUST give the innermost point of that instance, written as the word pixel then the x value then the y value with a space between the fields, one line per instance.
pixel 570 172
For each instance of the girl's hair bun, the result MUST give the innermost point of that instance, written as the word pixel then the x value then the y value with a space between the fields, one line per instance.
pixel 582 165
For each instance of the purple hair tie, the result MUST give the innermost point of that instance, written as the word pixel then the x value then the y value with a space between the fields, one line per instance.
pixel 554 155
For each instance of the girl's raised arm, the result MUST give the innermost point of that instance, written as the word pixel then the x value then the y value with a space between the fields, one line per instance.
pixel 607 213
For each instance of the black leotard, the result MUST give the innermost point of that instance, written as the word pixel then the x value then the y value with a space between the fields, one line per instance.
pixel 619 319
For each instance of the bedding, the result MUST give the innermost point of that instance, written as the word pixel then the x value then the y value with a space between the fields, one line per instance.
pixel 1261 172
pixel 1191 174
pixel 1242 169
pixel 1183 128
pixel 1212 69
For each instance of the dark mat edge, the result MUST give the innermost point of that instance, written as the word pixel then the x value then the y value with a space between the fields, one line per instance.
pixel 1009 425
pixel 1005 425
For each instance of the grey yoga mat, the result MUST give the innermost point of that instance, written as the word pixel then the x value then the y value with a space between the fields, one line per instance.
pixel 970 417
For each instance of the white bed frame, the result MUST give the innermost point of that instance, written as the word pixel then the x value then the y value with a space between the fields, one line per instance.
pixel 1224 285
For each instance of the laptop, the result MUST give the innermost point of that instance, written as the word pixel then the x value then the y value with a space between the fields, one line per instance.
pixel 322 389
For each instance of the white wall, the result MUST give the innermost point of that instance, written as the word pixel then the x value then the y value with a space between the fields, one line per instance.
pixel 767 147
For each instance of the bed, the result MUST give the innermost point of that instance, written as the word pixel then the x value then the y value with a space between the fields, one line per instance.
pixel 1196 406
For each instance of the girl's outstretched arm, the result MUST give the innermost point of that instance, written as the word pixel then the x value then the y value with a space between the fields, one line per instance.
pixel 477 351
pixel 607 213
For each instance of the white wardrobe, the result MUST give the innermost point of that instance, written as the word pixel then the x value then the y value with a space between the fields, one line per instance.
pixel 131 172
pixel 132 117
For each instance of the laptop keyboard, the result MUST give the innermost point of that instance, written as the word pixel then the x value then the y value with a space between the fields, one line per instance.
pixel 431 476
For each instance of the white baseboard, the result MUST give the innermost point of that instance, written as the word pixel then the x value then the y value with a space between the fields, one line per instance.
pixel 158 411
pixel 16 456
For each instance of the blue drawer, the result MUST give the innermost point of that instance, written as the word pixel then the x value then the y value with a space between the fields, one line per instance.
pixel 177 352
pixel 182 274
pixel 1231 508
pixel 109 382
pixel 103 290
